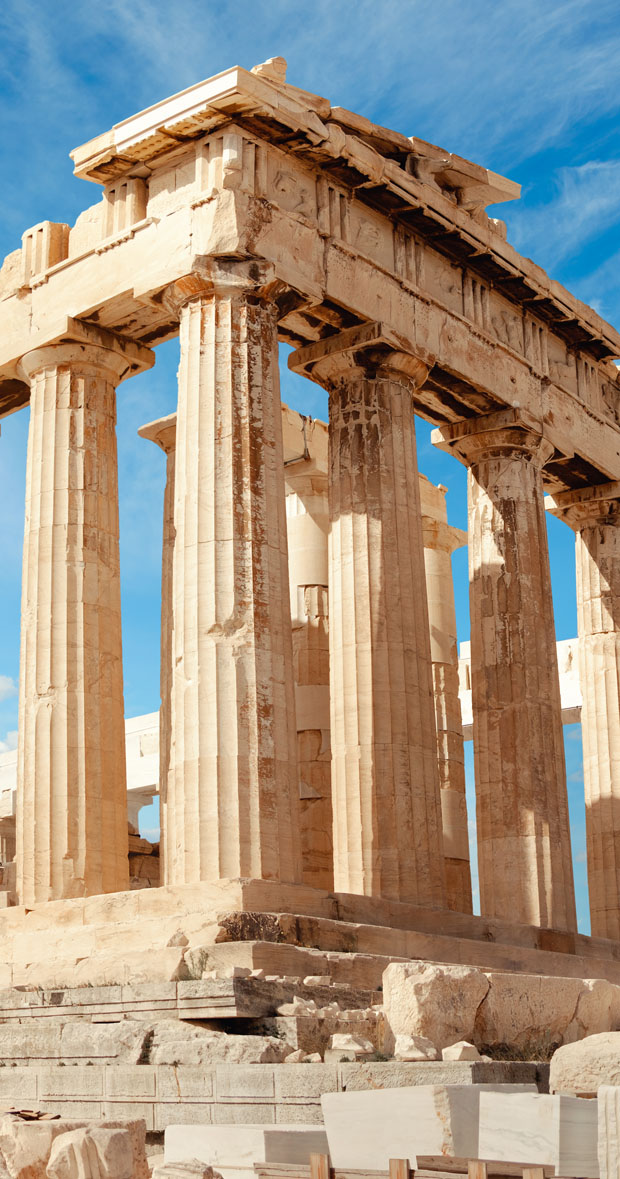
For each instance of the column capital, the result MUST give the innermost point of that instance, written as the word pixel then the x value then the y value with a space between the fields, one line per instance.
pixel 508 431
pixel 367 352
pixel 162 432
pixel 585 507
pixel 87 347
pixel 226 277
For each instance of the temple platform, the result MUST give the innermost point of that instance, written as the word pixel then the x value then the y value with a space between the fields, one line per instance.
pixel 182 932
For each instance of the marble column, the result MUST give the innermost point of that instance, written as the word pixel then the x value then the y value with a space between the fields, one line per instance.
pixel 594 514
pixel 71 778
pixel 163 434
pixel 524 853
pixel 307 518
pixel 232 801
pixel 440 541
pixel 385 786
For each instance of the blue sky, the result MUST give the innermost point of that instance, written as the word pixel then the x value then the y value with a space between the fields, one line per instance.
pixel 530 88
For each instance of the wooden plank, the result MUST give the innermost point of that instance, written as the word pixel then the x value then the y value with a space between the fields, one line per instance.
pixel 476 1169
pixel 399 1168
pixel 319 1166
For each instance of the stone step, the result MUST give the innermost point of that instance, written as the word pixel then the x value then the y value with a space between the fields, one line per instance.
pixel 202 999
pixel 312 934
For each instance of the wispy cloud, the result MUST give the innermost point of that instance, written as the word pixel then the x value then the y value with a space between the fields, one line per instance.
pixel 584 206
pixel 10 741
pixel 8 687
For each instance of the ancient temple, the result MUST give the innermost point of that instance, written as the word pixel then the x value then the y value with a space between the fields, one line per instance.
pixel 312 782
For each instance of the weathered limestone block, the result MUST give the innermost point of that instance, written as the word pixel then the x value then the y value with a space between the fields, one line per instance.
pixel 71 778
pixel 524 853
pixel 414 1048
pixel 91 1153
pixel 344 1046
pixel 181 1043
pixel 581 1068
pixel 594 514
pixel 31 1041
pixel 462 1050
pixel 26 1148
pixel 438 1002
pixel 232 802
pixel 608 1102
pixel 531 1012
pixel 385 785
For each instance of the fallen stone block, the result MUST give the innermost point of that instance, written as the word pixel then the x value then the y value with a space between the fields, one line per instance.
pixel 26 1146
pixel 414 1048
pixel 533 1013
pixel 462 1050
pixel 580 1069
pixel 92 1153
pixel 343 1046
pixel 180 1043
pixel 437 1002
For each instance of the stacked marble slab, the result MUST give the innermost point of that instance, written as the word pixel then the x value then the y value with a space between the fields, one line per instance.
pixel 514 1124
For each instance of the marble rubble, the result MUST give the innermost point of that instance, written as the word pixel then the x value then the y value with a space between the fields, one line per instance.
pixel 308 752
pixel 72 1149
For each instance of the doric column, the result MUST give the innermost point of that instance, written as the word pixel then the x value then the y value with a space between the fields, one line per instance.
pixel 232 802
pixel 307 518
pixel 594 514
pixel 440 541
pixel 163 434
pixel 71 778
pixel 385 788
pixel 524 855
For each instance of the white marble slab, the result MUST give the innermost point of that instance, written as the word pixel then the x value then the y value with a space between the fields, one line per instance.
pixel 541 1129
pixel 366 1129
pixel 234 1149
pixel 608 1131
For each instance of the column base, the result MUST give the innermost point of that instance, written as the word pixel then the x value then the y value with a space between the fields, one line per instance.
pixel 182 932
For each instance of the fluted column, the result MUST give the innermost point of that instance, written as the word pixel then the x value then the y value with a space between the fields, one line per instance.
pixel 163 434
pixel 232 801
pixel 307 518
pixel 440 541
pixel 385 788
pixel 594 514
pixel 71 779
pixel 524 854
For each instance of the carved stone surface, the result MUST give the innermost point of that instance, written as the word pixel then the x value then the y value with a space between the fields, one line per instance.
pixel 524 854
pixel 232 800
pixel 71 812
pixel 595 517
pixel 385 789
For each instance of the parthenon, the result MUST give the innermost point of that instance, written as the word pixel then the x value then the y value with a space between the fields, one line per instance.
pixel 311 745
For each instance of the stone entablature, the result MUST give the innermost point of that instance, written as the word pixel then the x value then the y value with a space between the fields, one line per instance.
pixel 236 214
